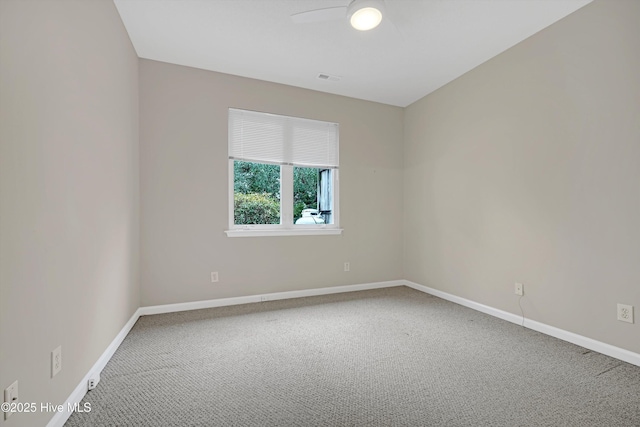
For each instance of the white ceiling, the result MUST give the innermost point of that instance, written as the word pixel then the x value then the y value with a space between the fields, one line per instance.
pixel 420 45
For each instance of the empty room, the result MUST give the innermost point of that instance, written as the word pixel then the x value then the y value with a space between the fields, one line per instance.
pixel 319 212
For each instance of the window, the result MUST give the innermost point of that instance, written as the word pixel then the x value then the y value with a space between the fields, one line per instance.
pixel 283 175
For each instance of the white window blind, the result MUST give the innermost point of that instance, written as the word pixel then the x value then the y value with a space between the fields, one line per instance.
pixel 284 140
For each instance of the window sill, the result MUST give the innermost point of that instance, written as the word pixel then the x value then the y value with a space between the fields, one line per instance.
pixel 284 232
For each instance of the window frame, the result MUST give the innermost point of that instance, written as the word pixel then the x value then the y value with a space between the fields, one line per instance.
pixel 286 226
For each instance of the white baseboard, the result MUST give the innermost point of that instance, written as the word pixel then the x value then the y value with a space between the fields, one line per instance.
pixel 79 392
pixel 197 305
pixel 582 341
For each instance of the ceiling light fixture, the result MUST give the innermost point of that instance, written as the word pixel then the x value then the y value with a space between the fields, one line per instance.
pixel 365 15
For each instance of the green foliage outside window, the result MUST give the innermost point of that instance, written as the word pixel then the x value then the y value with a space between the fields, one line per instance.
pixel 255 208
pixel 257 192
pixel 305 190
pixel 259 178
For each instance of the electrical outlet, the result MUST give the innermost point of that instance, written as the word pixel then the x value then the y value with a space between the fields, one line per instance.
pixel 214 276
pixel 347 266
pixel 519 289
pixel 93 381
pixel 56 361
pixel 10 396
pixel 625 313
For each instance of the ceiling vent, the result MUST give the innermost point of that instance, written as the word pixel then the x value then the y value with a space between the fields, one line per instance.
pixel 328 77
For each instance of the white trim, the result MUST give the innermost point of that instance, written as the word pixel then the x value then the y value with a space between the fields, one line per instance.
pixel 302 231
pixel 582 341
pixel 286 195
pixel 231 196
pixel 504 315
pixel 79 392
pixel 197 305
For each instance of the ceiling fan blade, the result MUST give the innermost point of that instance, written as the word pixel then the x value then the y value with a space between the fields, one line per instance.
pixel 320 15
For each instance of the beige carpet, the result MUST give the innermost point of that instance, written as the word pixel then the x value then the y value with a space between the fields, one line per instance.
pixel 388 357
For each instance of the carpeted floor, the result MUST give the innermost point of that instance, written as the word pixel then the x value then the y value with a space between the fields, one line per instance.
pixel 387 357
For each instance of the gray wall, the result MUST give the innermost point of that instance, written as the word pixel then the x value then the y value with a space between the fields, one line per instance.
pixel 68 190
pixel 184 190
pixel 528 169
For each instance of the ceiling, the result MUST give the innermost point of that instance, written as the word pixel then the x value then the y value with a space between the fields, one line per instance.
pixel 420 45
